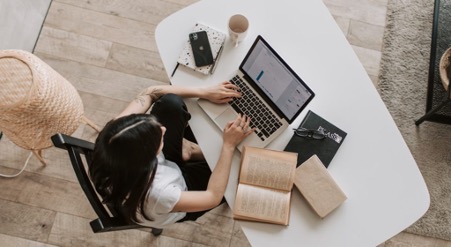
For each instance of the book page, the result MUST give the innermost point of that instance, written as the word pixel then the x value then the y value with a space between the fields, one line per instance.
pixel 262 204
pixel 268 168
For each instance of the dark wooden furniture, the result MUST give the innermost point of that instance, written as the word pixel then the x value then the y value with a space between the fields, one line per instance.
pixel 438 107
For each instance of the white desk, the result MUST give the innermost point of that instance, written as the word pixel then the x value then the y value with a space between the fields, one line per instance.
pixel 386 192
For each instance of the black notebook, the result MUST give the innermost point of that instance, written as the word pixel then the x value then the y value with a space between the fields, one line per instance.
pixel 325 148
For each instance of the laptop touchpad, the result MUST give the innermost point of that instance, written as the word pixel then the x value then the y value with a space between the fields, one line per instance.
pixel 225 117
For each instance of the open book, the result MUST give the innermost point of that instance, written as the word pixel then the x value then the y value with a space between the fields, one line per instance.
pixel 265 184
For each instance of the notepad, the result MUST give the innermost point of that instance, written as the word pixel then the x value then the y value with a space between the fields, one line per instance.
pixel 216 39
pixel 318 187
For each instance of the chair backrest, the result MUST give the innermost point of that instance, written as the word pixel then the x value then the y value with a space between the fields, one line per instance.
pixel 109 219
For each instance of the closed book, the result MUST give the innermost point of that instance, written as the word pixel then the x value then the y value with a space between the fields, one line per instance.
pixel 318 187
pixel 216 39
pixel 325 148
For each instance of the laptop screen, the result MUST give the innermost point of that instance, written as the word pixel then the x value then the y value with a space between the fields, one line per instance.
pixel 273 78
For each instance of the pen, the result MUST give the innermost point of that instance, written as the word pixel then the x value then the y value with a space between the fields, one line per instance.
pixel 173 72
pixel 212 70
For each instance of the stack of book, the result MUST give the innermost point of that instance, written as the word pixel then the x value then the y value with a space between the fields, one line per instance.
pixel 267 177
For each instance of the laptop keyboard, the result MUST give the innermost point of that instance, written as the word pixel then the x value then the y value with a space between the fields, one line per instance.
pixel 265 122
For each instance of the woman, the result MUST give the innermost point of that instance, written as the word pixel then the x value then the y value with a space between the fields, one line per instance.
pixel 143 165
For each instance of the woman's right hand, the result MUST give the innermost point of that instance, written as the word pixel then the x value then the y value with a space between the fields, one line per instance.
pixel 194 201
pixel 221 93
pixel 237 130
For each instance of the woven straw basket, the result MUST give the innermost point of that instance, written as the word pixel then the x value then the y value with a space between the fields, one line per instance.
pixel 35 102
pixel 444 68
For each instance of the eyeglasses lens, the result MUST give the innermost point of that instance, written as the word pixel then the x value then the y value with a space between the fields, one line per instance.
pixel 315 134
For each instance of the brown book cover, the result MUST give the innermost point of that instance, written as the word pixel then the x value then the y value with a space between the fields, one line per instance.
pixel 318 187
pixel 265 184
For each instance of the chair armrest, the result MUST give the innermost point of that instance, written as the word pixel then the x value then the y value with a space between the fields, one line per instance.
pixel 61 140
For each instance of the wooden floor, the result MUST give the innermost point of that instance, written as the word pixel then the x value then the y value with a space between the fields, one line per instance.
pixel 107 50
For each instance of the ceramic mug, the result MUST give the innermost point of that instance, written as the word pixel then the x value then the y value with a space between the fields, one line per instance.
pixel 238 27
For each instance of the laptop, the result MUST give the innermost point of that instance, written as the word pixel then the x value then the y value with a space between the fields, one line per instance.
pixel 273 95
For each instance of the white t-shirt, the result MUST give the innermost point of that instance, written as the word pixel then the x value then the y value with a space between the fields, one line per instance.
pixel 163 194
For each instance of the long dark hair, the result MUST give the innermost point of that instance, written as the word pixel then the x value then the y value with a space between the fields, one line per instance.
pixel 124 162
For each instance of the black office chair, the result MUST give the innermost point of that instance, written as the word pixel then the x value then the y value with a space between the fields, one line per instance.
pixel 106 222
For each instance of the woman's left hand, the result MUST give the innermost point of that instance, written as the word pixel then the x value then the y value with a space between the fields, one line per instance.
pixel 221 93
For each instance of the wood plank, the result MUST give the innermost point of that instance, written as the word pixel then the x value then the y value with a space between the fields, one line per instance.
pixel 110 83
pixel 182 2
pixel 137 62
pixel 69 230
pixel 47 193
pixel 343 23
pixel 73 46
pixel 149 11
pixel 223 210
pixel 14 157
pixel 11 188
pixel 183 231
pixel 211 230
pixel 25 221
pixel 101 109
pixel 365 35
pixel 369 11
pixel 370 59
pixel 52 194
pixel 7 240
pixel 101 26
pixel 164 241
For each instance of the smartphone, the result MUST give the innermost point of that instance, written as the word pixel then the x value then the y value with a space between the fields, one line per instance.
pixel 201 48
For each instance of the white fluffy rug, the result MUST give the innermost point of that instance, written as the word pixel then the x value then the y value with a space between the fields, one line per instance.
pixel 403 84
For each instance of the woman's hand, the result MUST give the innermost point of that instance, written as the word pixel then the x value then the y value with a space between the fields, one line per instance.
pixel 194 201
pixel 237 130
pixel 221 93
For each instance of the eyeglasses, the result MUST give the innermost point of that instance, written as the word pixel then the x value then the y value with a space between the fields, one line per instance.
pixel 315 134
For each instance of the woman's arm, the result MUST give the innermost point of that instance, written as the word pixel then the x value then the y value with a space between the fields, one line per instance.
pixel 221 93
pixel 193 201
